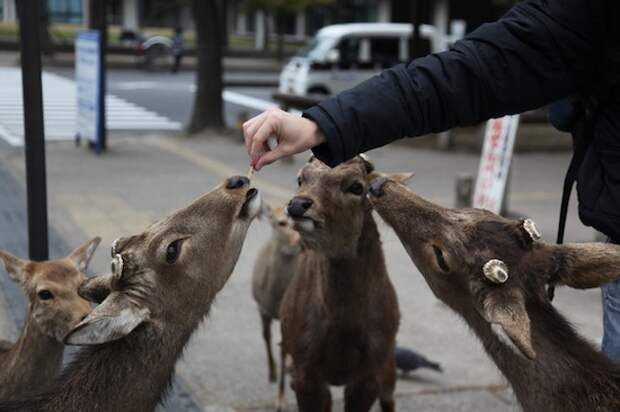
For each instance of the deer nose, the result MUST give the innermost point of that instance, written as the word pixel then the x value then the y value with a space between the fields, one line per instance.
pixel 237 182
pixel 298 206
pixel 376 187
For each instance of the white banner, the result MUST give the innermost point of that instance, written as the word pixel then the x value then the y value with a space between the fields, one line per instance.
pixel 499 140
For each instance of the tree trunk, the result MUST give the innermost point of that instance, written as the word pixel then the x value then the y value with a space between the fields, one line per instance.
pixel 208 98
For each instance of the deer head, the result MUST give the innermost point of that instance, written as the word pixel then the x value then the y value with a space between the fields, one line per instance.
pixel 330 206
pixel 286 238
pixel 52 288
pixel 168 275
pixel 476 261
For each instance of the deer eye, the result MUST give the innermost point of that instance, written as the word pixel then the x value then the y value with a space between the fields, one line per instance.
pixel 45 294
pixel 172 251
pixel 282 223
pixel 298 180
pixel 441 261
pixel 356 188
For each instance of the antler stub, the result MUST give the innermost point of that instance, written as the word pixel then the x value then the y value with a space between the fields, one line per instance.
pixel 117 266
pixel 532 229
pixel 496 271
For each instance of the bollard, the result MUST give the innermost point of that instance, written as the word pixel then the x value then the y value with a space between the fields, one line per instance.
pixel 464 190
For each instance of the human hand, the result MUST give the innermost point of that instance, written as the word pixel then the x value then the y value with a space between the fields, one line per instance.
pixel 294 134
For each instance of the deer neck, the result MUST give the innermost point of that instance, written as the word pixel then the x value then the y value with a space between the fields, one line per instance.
pixel 128 374
pixel 346 276
pixel 563 360
pixel 32 362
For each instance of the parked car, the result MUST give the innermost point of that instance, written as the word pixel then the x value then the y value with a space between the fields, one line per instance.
pixel 342 55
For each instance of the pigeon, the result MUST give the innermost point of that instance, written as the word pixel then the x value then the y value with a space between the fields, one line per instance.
pixel 407 360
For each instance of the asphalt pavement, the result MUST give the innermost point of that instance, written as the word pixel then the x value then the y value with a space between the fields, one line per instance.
pixel 141 179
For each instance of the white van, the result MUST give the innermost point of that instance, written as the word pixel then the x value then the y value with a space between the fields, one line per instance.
pixel 343 55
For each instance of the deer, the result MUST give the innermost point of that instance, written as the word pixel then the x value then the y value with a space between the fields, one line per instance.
pixel 54 308
pixel 493 272
pixel 275 266
pixel 162 285
pixel 339 315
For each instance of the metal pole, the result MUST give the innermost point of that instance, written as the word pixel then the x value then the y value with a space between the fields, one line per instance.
pixel 30 41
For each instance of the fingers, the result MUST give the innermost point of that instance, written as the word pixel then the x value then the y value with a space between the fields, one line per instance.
pixel 269 157
pixel 250 127
pixel 259 139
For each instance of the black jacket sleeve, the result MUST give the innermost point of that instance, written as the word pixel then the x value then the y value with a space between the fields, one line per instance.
pixel 540 51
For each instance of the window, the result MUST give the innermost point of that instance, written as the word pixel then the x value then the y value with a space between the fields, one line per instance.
pixel 349 48
pixel 384 51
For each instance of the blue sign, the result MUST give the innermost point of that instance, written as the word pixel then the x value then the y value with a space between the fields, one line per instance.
pixel 89 81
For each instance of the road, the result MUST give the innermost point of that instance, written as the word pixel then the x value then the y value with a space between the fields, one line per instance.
pixel 136 101
pixel 172 95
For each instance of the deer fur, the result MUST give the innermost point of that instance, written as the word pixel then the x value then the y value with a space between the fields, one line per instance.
pixel 163 283
pixel 275 266
pixel 549 365
pixel 54 308
pixel 340 314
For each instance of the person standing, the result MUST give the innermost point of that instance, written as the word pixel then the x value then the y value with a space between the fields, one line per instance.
pixel 177 49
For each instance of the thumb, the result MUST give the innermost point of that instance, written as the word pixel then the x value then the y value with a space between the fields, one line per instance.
pixel 269 157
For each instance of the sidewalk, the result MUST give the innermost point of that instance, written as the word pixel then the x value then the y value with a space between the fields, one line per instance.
pixel 140 180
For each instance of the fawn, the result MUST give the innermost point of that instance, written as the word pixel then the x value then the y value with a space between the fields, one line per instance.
pixel 54 308
pixel 162 285
pixel 340 313
pixel 494 272
pixel 275 266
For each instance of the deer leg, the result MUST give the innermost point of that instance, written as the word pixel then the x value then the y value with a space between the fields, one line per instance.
pixel 266 320
pixel 386 397
pixel 312 394
pixel 361 395
pixel 281 401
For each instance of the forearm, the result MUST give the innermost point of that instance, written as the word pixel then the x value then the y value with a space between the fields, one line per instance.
pixel 537 53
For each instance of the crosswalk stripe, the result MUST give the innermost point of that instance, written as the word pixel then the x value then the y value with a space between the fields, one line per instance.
pixel 59 100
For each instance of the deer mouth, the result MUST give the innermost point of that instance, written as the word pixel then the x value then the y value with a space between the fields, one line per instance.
pixel 302 223
pixel 252 204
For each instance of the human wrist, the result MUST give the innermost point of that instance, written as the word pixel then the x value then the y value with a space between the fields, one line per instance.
pixel 316 134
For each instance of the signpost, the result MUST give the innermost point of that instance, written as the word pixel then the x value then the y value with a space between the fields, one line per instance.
pixel 495 163
pixel 89 82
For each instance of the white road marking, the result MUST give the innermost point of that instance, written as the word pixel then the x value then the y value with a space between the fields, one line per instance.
pixel 247 101
pixel 59 102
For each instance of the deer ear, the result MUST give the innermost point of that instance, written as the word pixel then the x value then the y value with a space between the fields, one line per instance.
pixel 402 177
pixel 113 319
pixel 14 266
pixel 504 309
pixel 82 255
pixel 96 288
pixel 585 265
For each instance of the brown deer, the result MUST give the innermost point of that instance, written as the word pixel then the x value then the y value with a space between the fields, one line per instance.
pixel 162 285
pixel 275 266
pixel 54 308
pixel 340 313
pixel 493 272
